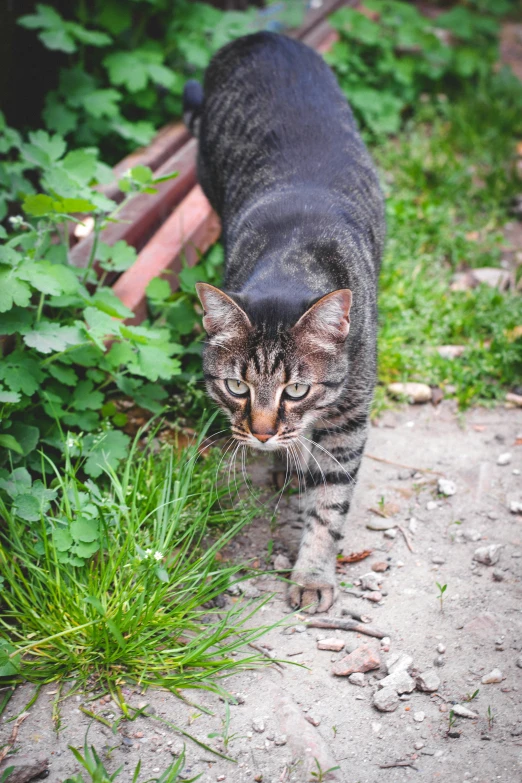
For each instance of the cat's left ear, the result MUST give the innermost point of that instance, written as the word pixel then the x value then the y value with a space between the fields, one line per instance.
pixel 221 315
pixel 328 320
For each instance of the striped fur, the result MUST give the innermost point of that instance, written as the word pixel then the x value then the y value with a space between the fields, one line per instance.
pixel 281 161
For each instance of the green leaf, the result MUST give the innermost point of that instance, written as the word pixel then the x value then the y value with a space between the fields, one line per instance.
pixel 15 321
pixel 27 507
pixel 117 258
pixel 39 205
pixel 8 665
pixel 89 37
pixel 106 300
pixel 47 337
pixel 105 451
pixel 84 529
pixel 58 40
pixel 8 442
pixel 62 539
pixel 154 363
pixel 27 436
pixel 158 290
pixel 18 483
pixel 9 397
pixel 53 147
pixel 12 290
pixel 102 103
pixel 85 398
pixel 63 374
pixel 21 372
pixel 84 549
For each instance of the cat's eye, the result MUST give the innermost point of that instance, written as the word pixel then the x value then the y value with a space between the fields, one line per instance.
pixel 297 390
pixel 239 388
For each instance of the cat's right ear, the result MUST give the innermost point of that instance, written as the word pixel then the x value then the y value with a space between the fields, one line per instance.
pixel 221 315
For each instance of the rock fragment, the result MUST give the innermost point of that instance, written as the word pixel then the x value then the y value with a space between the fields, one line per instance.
pixel 363 659
pixel 488 555
pixel 399 680
pixel 374 596
pixel 281 739
pixel 519 661
pixel 380 567
pixel 504 459
pixel 357 678
pixel 463 712
pixel 428 681
pixel 333 644
pixel 258 725
pixel 381 524
pixel 446 487
pixel 398 662
pixel 418 717
pixel 386 700
pixel 370 581
pixel 494 676
pixel 515 507
pixel 282 563
pixel 416 393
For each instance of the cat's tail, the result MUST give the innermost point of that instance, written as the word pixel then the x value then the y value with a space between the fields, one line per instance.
pixel 192 105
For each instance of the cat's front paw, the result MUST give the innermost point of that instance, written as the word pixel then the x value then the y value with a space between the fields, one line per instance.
pixel 313 590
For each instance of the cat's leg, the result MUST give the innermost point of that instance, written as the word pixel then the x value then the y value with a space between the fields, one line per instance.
pixel 334 461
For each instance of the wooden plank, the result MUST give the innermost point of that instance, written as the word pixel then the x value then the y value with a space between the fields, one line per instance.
pixel 189 231
pixel 316 15
pixel 141 217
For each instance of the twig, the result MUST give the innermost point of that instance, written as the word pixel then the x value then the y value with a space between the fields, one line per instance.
pixel 345 625
pixel 363 618
pixel 266 654
pixel 400 465
pixel 12 739
pixel 406 538
pixel 407 763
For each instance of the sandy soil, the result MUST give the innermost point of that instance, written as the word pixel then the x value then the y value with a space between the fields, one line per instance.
pixel 304 711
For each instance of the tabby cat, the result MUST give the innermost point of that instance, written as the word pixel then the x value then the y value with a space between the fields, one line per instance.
pixel 290 354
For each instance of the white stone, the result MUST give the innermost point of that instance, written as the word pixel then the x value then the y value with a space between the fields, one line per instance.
pixel 515 507
pixel 391 533
pixel 333 644
pixel 370 581
pixel 446 487
pixel 441 648
pixel 488 555
pixel 386 700
pixel 282 563
pixel 398 662
pixel 431 505
pixel 419 716
pixel 258 725
pixel 415 392
pixel 357 678
pixel 504 459
pixel 463 712
pixel 428 681
pixel 494 676
pixel 399 680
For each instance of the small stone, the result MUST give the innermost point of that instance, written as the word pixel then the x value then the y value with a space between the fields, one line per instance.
pixel 300 628
pixel 386 700
pixel 418 745
pixel 281 739
pixel 363 659
pixel 333 644
pixel 374 596
pixel 494 676
pixel 412 525
pixel 282 563
pixel 492 515
pixel 380 566
pixel 431 505
pixel 519 661
pixel 385 641
pixel 498 576
pixel 398 662
pixel 438 559
pixel 446 487
pixel 515 507
pixel 391 533
pixel 418 717
pixel 416 393
pixel 439 660
pixel 504 459
pixel 221 777
pixel 382 524
pixel 370 581
pixel 249 590
pixel 470 534
pixel 463 712
pixel 441 648
pixel 313 720
pixel 428 681
pixel 399 680
pixel 357 678
pixel 258 725
pixel 488 555
pixel 376 727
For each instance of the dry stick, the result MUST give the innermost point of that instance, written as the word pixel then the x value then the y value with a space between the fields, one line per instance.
pixel 363 618
pixel 400 465
pixel 406 538
pixel 345 625
pixel 398 764
pixel 266 654
pixel 14 734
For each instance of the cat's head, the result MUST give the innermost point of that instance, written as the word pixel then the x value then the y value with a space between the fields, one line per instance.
pixel 274 378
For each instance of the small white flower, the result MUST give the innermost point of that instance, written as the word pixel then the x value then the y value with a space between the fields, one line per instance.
pixel 158 556
pixel 148 552
pixel 70 442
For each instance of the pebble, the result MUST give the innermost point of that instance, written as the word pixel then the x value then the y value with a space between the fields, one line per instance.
pixel 515 507
pixel 398 662
pixel 498 575
pixel 380 566
pixel 470 534
pixel 363 659
pixel 333 644
pixel 492 677
pixel 221 777
pixel 258 725
pixel 416 393
pixel 439 660
pixel 446 487
pixel 488 555
pixel 391 533
pixel 504 459
pixel 385 641
pixel 386 700
pixel 441 648
pixel 418 745
pixel 374 596
pixel 370 581
pixel 438 559
pixel 282 563
pixel 418 717
pixel 300 628
pixel 313 720
pixel 412 525
pixel 428 681
pixel 281 739
pixel 380 524
pixel 463 712
pixel 519 661
pixel 399 680
pixel 431 505
pixel 357 678
pixel 376 727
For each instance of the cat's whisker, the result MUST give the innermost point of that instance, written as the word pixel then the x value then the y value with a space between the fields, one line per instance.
pixel 318 445
pixel 318 465
pixel 298 468
pixel 230 465
pixel 288 478
pixel 227 448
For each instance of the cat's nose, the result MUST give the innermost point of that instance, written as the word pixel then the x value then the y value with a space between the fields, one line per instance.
pixel 263 436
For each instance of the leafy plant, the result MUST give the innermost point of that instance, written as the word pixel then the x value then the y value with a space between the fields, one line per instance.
pixel 320 774
pixel 442 590
pixel 110 582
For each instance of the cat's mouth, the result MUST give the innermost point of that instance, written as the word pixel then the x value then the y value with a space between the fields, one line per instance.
pixel 276 442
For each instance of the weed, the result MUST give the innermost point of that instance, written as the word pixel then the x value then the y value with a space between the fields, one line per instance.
pixel 111 583
pixel 319 774
pixel 225 735
pixel 451 720
pixel 490 718
pixel 470 697
pixel 442 590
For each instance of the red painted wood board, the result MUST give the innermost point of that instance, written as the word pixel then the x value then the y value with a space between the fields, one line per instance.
pixel 141 217
pixel 189 231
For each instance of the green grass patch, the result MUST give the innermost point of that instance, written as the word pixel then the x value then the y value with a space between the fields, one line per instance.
pixel 107 583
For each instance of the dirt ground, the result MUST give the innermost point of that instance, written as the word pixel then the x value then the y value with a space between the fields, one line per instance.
pixel 289 715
